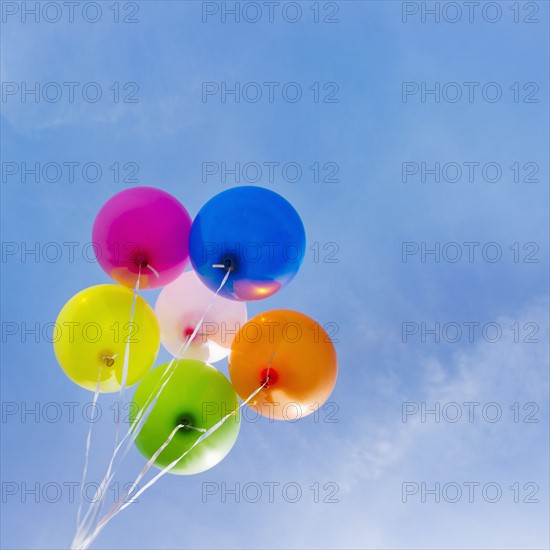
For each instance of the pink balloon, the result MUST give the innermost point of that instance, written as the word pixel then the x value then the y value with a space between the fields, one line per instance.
pixel 179 308
pixel 142 229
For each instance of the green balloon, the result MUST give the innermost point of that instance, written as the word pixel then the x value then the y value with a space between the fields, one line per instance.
pixel 196 395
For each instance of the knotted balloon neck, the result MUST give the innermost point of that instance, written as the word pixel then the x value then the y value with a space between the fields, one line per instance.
pixel 185 423
pixel 269 377
pixel 189 334
pixel 143 263
pixel 109 360
pixel 228 264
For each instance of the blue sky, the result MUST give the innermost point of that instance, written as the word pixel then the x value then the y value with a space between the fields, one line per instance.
pixel 369 292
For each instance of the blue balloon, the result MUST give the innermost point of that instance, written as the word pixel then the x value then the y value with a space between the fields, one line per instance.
pixel 255 233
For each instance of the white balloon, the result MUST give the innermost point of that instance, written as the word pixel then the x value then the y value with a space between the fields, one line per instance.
pixel 179 308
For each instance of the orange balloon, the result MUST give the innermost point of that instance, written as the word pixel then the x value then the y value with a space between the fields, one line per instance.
pixel 292 355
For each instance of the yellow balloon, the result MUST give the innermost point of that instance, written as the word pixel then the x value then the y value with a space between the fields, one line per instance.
pixel 91 334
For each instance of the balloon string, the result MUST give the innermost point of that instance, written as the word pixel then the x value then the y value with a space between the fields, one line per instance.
pixel 121 505
pixel 125 367
pixel 155 272
pixel 85 543
pixel 202 430
pixel 87 454
pixel 142 415
pixel 269 366
pixel 206 434
pixel 169 370
pixel 134 430
pixel 127 350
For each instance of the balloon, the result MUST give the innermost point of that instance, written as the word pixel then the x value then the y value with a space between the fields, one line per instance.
pixel 91 333
pixel 145 229
pixel 254 232
pixel 196 395
pixel 179 308
pixel 293 355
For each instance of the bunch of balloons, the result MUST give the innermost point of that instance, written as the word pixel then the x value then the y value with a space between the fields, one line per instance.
pixel 245 244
